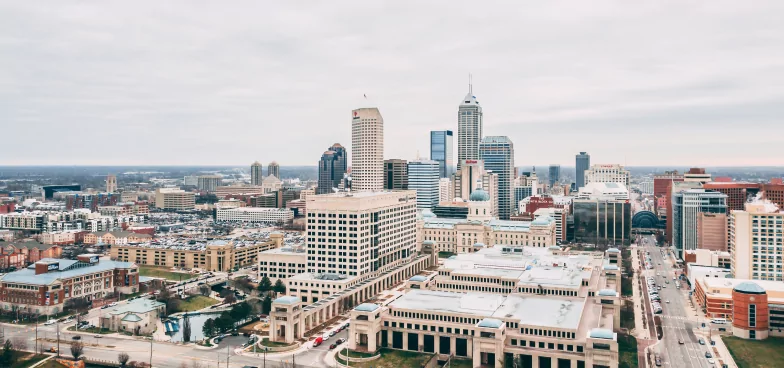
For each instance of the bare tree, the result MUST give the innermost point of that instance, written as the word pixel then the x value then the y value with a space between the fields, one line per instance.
pixel 123 358
pixel 77 349
pixel 196 364
pixel 19 342
pixel 204 290
pixel 186 329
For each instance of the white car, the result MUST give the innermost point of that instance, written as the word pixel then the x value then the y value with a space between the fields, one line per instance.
pixel 50 322
pixel 113 304
pixel 668 302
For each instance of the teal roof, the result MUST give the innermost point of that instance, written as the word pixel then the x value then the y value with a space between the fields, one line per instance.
pixel 749 287
pixel 287 300
pixel 490 323
pixel 428 213
pixel 429 242
pixel 480 195
pixel 480 245
pixel 418 278
pixel 130 317
pixel 542 221
pixel 366 307
pixel 607 292
pixel 610 267
pixel 555 247
pixel 613 250
pixel 601 333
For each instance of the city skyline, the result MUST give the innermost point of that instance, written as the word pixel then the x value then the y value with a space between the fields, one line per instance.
pixel 232 81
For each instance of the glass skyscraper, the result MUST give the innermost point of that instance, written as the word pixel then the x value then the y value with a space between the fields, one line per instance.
pixel 441 151
pixel 332 166
pixel 423 177
pixel 554 174
pixel 582 163
pixel 498 155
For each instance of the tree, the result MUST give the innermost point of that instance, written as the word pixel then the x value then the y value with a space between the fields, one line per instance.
pixel 228 296
pixel 204 290
pixel 240 311
pixel 186 329
pixel 224 322
pixel 266 305
pixel 265 285
pixel 8 351
pixel 19 343
pixel 279 287
pixel 77 349
pixel 208 329
pixel 166 297
pixel 243 284
pixel 123 358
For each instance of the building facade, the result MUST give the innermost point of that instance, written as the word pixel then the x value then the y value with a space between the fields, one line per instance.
pixel 256 174
pixel 395 174
pixel 441 142
pixel 712 231
pixel 582 162
pixel 174 199
pixel 554 174
pixel 367 150
pixel 423 177
pixel 602 222
pixel 686 205
pixel 497 152
pixel 111 183
pixel 332 168
pixel 662 181
pixel 254 214
pixel 445 191
pixel 756 242
pixel 465 179
pixel 469 128
pixel 209 183
pixel 607 174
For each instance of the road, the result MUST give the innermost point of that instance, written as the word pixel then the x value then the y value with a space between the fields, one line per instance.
pixel 676 324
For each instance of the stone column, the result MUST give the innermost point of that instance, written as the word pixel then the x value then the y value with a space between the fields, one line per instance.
pixel 405 340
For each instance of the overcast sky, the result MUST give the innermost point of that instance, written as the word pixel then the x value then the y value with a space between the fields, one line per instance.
pixel 202 83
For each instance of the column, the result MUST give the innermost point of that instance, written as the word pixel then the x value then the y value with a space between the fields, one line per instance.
pixel 436 343
pixel 535 360
pixel 405 340
pixel 476 354
pixel 452 346
pixel 574 363
pixel 371 344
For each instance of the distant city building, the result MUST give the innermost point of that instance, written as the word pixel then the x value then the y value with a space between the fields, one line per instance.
pixel 554 174
pixel 332 167
pixel 445 191
pixel 756 241
pixel 469 128
pixel 774 191
pixel 441 151
pixel 497 152
pixel 238 190
pixel 464 182
pixel 423 177
pixel 646 187
pixel 662 181
pixel 697 174
pixel 672 188
pixel 273 169
pixel 610 190
pixel 520 193
pixel 738 193
pixel 602 222
pixel 686 205
pixel 395 174
pixel 582 163
pixel 255 174
pixel 271 184
pixel 111 183
pixel 190 180
pixel 712 231
pixel 613 173
pixel 254 214
pixel 47 191
pixel 209 183
pixel 174 199
pixel 367 150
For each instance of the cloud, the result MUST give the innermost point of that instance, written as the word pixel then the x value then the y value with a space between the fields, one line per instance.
pixel 207 83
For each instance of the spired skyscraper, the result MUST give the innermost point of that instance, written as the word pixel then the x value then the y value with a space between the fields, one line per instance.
pixel 332 167
pixel 582 163
pixel 469 127
pixel 441 151
pixel 367 150
pixel 498 155
pixel 255 174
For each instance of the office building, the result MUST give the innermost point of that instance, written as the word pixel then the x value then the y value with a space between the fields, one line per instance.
pixel 465 178
pixel 559 216
pixel 582 163
pixel 738 193
pixel 774 191
pixel 254 214
pixel 395 174
pixel 367 150
pixel 602 222
pixel 469 128
pixel 712 231
pixel 445 191
pixel 332 168
pixel 756 241
pixel 273 169
pixel 174 199
pixel 755 308
pixel 111 183
pixel 697 175
pixel 686 205
pixel 473 233
pixel 48 191
pixel 607 174
pixel 554 174
pixel 646 187
pixel 423 177
pixel 497 152
pixel 209 183
pixel 378 232
pixel 615 191
pixel 520 193
pixel 674 187
pixel 282 263
pixel 662 181
pixel 441 151
pixel 255 174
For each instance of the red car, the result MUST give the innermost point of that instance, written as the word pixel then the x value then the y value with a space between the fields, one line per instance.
pixel 318 341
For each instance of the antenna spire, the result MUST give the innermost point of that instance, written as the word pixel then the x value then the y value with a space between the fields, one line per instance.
pixel 470 84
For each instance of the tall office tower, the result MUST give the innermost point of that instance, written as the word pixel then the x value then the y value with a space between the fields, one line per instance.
pixel 441 152
pixel 497 152
pixel 208 183
pixel 367 146
pixel 686 205
pixel 423 176
pixel 256 176
pixel 332 167
pixel 111 183
pixel 445 191
pixel 521 192
pixel 607 174
pixel 469 128
pixel 754 233
pixel 697 174
pixel 379 232
pixel 396 174
pixel 582 162
pixel 661 182
pixel 555 174
pixel 465 179
pixel 273 169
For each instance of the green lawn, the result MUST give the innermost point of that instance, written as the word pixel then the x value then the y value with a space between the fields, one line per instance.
pixel 627 351
pixel 394 359
pixel 766 353
pixel 51 363
pixel 195 303
pixel 164 272
pixel 24 360
pixel 461 363
pixel 273 344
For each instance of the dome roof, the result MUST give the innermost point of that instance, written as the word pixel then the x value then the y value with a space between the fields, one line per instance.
pixel 479 195
pixel 749 287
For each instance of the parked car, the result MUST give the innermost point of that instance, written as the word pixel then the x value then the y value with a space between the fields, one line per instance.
pixel 77 337
pixel 680 341
pixel 318 341
pixel 332 346
pixel 113 304
pixel 331 333
pixel 701 341
pixel 340 341
pixel 708 354
pixel 50 322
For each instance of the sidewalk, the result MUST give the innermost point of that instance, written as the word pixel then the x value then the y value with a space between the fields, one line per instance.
pixel 641 330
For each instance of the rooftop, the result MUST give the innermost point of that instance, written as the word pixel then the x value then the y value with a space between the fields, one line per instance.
pixel 66 269
pixel 366 307
pixel 287 300
pixel 140 305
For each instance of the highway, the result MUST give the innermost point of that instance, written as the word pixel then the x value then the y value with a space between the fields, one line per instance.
pixel 676 324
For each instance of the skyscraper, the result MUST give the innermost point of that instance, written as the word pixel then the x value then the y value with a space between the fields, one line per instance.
pixel 686 205
pixel 469 128
pixel 395 174
pixel 423 176
pixel 273 169
pixel 111 183
pixel 498 155
pixel 555 174
pixel 441 151
pixel 582 163
pixel 255 174
pixel 332 167
pixel 464 182
pixel 367 146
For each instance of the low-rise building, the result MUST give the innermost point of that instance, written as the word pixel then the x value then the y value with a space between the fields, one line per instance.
pixel 138 316
pixel 282 263
pixel 115 237
pixel 174 199
pixel 754 307
pixel 254 214
pixel 463 235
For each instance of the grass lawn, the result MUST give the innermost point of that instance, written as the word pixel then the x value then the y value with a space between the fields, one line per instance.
pixel 51 363
pixel 394 359
pixel 273 344
pixel 627 351
pixel 626 286
pixel 461 363
pixel 24 359
pixel 756 353
pixel 195 303
pixel 164 272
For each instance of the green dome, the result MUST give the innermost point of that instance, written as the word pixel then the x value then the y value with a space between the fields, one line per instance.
pixel 479 195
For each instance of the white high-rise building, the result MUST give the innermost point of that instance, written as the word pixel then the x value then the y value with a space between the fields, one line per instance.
pixel 423 176
pixel 613 173
pixel 367 146
pixel 756 242
pixel 497 152
pixel 255 174
pixel 445 191
pixel 469 128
